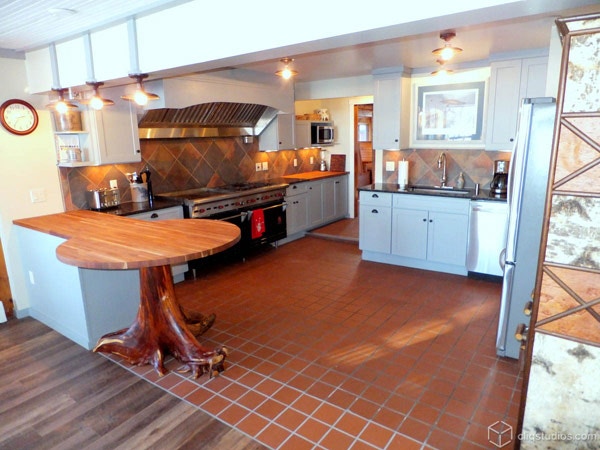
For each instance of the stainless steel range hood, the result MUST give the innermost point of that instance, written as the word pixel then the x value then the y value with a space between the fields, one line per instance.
pixel 214 119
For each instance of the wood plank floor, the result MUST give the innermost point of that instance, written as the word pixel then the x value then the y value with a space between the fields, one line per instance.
pixel 55 394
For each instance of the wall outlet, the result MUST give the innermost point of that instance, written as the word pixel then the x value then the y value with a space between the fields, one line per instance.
pixel 265 165
pixel 37 195
pixel 312 159
pixel 295 162
pixel 258 167
pixel 390 166
pixel 113 184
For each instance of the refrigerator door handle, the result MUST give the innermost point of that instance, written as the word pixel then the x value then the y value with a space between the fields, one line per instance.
pixel 515 179
pixel 507 284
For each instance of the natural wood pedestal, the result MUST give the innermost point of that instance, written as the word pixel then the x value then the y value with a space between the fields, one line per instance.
pixel 160 326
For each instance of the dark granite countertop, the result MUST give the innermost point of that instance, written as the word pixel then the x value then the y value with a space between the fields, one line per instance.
pixel 484 194
pixel 130 208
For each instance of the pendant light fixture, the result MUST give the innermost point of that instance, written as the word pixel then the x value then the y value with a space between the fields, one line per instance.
pixel 447 52
pixel 286 73
pixel 96 101
pixel 60 104
pixel 139 96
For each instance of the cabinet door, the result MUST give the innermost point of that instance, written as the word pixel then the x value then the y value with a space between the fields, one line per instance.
pixel 409 233
pixel 510 82
pixel 447 238
pixel 375 228
pixel 297 213
pixel 315 203
pixel 391 112
pixel 503 105
pixel 328 187
pixel 341 196
pixel 117 135
pixel 302 134
pixel 279 134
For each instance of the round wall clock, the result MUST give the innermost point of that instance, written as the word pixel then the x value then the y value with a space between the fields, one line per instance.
pixel 18 117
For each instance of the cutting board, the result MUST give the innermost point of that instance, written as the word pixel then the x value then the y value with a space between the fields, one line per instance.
pixel 338 163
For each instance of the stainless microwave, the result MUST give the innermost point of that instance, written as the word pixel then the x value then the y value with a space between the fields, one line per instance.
pixel 321 133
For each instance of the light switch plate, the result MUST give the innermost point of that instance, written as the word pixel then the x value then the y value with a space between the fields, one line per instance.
pixel 390 166
pixel 37 195
pixel 265 165
pixel 258 167
pixel 295 162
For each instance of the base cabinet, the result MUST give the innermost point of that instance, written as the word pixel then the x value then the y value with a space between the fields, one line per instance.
pixel 311 204
pixel 375 222
pixel 424 232
pixel 297 208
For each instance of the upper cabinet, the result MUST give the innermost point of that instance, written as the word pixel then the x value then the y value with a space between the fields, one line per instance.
pixel 108 136
pixel 510 82
pixel 391 112
pixel 279 134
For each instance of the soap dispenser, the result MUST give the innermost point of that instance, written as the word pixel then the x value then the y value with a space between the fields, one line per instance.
pixel 460 182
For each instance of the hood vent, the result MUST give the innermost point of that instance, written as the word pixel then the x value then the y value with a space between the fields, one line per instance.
pixel 216 119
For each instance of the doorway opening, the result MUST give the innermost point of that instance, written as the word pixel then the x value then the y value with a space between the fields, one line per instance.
pixel 363 148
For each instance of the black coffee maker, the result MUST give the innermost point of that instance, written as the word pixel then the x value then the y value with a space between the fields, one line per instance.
pixel 499 183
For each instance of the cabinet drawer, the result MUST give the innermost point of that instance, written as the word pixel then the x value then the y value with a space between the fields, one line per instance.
pixel 296 189
pixel 375 198
pixel 175 212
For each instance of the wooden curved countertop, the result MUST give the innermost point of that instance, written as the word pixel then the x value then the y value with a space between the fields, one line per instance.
pixel 102 241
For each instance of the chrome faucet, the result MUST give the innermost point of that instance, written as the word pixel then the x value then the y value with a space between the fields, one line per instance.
pixel 442 165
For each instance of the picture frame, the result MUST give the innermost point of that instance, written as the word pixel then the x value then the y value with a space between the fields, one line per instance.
pixel 448 115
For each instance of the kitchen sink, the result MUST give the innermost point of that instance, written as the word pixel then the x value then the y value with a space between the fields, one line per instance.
pixel 438 190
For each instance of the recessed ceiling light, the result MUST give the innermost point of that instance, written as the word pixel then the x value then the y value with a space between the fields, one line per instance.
pixel 61 12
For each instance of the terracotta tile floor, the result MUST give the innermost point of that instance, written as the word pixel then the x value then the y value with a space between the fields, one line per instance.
pixel 331 352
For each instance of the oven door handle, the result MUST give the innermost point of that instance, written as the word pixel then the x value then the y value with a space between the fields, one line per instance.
pixel 279 205
pixel 242 215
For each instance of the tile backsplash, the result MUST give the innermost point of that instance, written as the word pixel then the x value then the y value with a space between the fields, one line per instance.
pixel 476 166
pixel 179 164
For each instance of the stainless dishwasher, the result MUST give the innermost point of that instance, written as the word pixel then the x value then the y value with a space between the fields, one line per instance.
pixel 487 237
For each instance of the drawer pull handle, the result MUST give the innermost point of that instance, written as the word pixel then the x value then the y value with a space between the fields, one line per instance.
pixel 424 220
pixel 375 196
pixel 154 216
pixel 374 211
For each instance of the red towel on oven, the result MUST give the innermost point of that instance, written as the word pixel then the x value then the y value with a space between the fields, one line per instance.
pixel 257 223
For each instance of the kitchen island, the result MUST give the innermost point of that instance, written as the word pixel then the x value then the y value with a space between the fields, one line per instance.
pixel 105 247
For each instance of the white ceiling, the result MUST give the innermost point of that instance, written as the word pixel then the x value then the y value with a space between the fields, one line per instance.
pixel 28 24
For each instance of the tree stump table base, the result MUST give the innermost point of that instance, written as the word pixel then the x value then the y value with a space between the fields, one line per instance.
pixel 161 327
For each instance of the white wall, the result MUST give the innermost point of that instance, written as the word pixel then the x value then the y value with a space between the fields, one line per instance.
pixel 26 162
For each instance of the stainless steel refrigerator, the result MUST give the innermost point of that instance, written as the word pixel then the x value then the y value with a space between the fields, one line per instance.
pixel 526 196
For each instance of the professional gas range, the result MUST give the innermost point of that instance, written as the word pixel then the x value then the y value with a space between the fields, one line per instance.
pixel 202 203
pixel 258 209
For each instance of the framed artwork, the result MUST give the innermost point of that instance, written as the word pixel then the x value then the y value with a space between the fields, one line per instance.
pixel 448 115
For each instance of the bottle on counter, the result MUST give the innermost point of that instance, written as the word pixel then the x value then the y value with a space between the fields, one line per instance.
pixel 460 182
